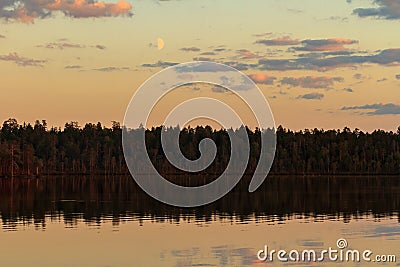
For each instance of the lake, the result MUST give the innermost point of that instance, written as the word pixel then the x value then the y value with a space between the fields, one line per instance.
pixel 108 221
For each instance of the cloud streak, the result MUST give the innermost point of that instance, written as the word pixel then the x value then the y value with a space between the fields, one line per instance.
pixel 385 57
pixel 202 59
pixel 101 47
pixel 22 61
pixel 28 10
pixel 335 44
pixel 61 45
pixel 311 96
pixel 190 49
pixel 246 54
pixel 378 109
pixel 67 45
pixel 111 69
pixel 311 81
pixel 71 67
pixel 316 45
pixel 282 41
pixel 386 9
pixel 159 64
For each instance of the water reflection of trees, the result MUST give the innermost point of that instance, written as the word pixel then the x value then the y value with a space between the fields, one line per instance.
pixel 98 199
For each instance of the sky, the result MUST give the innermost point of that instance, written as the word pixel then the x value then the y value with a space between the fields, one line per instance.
pixel 320 64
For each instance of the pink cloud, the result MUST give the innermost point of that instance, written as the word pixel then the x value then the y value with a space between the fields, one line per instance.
pixel 246 54
pixel 262 78
pixel 28 10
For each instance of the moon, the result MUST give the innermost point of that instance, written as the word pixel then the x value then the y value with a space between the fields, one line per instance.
pixel 160 43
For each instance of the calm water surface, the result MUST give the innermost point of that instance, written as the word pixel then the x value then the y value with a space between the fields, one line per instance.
pixel 108 221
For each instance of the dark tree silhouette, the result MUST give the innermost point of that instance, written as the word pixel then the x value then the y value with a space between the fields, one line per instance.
pixel 27 150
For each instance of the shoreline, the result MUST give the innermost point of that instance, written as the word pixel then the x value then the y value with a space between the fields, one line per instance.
pixel 202 175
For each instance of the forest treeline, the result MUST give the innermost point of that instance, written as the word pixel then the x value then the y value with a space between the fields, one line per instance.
pixel 31 150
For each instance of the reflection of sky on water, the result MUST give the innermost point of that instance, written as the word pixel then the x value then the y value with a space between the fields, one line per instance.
pixel 390 232
pixel 379 234
pixel 99 222
pixel 189 243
